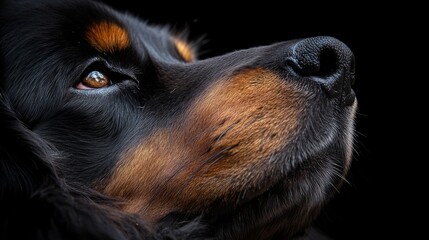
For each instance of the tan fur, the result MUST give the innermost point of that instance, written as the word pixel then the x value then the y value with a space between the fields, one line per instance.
pixel 107 37
pixel 185 51
pixel 246 118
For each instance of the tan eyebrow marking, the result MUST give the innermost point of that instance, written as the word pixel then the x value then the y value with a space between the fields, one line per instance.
pixel 107 37
pixel 185 51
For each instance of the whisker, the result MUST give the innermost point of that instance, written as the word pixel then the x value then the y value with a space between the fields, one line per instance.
pixel 361 114
pixel 333 185
pixel 357 133
pixel 342 178
pixel 337 171
pixel 213 159
pixel 224 133
pixel 359 146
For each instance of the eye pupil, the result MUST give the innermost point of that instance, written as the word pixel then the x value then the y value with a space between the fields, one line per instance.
pixel 96 79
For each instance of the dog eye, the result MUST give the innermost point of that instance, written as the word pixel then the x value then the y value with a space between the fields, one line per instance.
pixel 94 79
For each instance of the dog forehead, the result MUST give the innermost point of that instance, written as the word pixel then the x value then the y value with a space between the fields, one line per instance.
pixel 111 32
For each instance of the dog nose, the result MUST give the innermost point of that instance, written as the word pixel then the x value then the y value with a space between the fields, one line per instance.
pixel 327 61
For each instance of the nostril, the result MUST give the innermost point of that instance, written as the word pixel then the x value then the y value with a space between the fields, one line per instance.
pixel 328 63
pixel 297 68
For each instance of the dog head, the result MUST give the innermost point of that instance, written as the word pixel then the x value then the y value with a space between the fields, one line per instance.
pixel 254 141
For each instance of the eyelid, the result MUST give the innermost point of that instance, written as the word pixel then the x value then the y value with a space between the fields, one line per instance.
pixel 113 73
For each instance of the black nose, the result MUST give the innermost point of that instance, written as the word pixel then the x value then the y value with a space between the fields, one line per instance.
pixel 327 61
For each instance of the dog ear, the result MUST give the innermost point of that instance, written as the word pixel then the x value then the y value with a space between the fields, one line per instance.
pixel 36 204
pixel 25 159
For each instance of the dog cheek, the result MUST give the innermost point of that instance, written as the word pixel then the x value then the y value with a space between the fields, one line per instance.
pixel 260 114
pixel 218 148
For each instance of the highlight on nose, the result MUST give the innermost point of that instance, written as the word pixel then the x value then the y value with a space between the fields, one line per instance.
pixel 327 61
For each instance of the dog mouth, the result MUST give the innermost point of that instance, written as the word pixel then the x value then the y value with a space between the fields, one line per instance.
pixel 299 189
pixel 298 186
pixel 331 153
pixel 330 166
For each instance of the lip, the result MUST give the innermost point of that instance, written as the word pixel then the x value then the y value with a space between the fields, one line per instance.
pixel 349 99
pixel 294 166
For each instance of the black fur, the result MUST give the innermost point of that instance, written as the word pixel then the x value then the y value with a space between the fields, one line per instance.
pixel 57 142
pixel 36 201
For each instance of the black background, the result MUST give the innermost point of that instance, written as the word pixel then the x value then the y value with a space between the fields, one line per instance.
pixel 372 205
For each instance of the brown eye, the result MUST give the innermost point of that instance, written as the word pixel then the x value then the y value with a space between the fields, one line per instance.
pixel 94 79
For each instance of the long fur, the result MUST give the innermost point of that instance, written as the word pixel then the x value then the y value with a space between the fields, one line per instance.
pixel 61 146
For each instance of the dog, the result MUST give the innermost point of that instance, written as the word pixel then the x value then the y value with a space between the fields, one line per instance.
pixel 114 129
